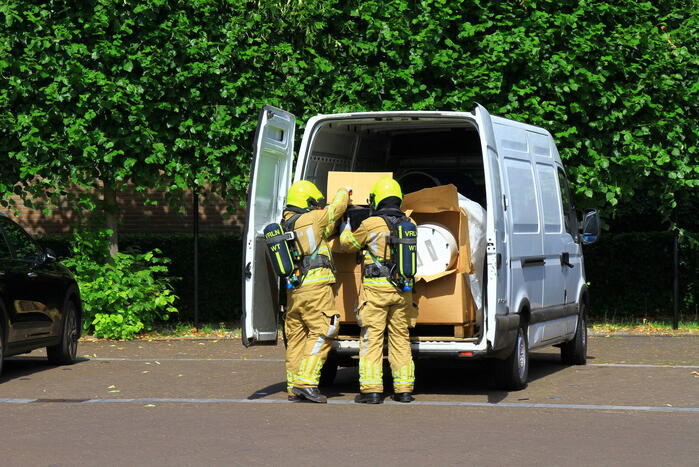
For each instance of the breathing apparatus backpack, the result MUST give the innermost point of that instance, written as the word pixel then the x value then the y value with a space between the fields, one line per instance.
pixel 401 266
pixel 281 247
pixel 286 254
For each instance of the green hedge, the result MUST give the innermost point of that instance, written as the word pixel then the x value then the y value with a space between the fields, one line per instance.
pixel 130 88
pixel 630 274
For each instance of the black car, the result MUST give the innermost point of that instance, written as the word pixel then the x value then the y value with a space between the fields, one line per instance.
pixel 39 299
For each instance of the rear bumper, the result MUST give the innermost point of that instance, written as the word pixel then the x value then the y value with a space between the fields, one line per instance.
pixel 422 349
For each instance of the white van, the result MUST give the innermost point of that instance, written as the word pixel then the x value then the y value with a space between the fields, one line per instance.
pixel 534 289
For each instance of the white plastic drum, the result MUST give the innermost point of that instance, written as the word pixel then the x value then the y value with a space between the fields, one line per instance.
pixel 437 249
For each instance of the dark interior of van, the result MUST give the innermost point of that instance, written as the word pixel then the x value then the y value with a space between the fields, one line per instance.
pixel 421 152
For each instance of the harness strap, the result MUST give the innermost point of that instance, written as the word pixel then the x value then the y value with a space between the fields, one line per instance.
pixel 313 262
pixel 404 241
pixel 286 236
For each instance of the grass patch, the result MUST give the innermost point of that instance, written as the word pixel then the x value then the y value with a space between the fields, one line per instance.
pixel 188 330
pixel 644 326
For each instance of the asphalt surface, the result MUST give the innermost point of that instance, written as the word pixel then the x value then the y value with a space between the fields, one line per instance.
pixel 216 403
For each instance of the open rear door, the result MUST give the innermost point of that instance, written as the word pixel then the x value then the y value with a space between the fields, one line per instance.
pixel 497 254
pixel 270 178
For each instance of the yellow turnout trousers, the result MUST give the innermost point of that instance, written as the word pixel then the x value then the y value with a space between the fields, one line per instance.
pixel 383 307
pixel 311 322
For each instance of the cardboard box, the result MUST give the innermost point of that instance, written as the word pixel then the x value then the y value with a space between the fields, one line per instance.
pixel 346 296
pixel 360 182
pixel 441 205
pixel 443 298
pixel 447 300
pixel 346 262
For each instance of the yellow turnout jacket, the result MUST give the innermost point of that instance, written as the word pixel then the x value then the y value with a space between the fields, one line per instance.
pixel 312 231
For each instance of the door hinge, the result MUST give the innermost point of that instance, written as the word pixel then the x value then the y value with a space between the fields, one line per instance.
pixel 248 271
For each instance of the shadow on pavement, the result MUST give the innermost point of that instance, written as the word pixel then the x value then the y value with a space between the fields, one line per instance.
pixel 442 377
pixel 269 390
pixel 22 367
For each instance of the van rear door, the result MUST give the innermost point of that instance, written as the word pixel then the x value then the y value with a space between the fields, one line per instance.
pixel 270 178
pixel 496 255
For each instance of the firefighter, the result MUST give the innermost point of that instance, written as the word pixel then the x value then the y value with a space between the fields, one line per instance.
pixel 382 302
pixel 311 318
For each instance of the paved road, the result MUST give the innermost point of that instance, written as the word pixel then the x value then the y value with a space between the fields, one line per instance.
pixel 216 403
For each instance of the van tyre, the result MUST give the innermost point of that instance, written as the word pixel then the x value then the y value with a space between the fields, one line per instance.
pixel 575 352
pixel 329 371
pixel 65 352
pixel 511 374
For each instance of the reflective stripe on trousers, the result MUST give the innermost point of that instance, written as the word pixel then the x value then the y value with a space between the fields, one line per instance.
pixel 311 322
pixel 385 309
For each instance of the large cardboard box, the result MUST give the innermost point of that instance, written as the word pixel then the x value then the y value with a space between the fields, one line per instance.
pixel 443 298
pixel 360 182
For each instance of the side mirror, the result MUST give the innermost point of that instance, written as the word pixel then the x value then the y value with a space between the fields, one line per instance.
pixel 49 256
pixel 590 227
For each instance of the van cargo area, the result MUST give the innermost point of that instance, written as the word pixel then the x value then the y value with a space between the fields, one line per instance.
pixel 421 152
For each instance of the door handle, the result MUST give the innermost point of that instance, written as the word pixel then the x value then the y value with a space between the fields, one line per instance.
pixel 565 260
pixel 32 274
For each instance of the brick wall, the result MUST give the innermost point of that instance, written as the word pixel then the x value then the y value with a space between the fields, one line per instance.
pixel 136 216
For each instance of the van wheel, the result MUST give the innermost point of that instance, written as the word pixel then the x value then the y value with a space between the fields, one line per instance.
pixel 512 373
pixel 575 352
pixel 329 371
pixel 65 352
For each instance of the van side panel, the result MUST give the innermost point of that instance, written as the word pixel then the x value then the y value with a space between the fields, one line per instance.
pixel 523 217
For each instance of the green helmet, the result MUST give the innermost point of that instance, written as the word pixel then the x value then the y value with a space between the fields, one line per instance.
pixel 304 194
pixel 383 188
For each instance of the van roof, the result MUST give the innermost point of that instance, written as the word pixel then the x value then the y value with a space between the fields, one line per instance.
pixel 416 114
pixel 397 113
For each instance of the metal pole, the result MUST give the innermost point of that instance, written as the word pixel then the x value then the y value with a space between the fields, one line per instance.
pixel 676 282
pixel 195 214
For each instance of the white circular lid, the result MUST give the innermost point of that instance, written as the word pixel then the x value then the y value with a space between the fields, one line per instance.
pixel 437 249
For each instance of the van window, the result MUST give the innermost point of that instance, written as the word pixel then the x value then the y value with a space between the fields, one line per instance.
pixel 520 179
pixel 551 205
pixel 568 210
pixel 539 144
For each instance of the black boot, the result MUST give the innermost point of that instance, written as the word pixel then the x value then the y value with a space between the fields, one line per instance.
pixel 311 394
pixel 291 398
pixel 368 398
pixel 403 397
